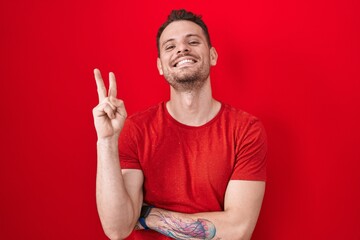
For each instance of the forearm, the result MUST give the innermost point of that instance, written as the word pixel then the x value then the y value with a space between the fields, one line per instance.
pixel 208 225
pixel 118 213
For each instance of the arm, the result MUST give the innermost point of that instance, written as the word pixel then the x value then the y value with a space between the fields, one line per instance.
pixel 118 192
pixel 243 201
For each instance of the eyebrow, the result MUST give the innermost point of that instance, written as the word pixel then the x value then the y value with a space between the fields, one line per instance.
pixel 187 36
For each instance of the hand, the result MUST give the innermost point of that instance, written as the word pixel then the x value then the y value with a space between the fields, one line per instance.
pixel 109 114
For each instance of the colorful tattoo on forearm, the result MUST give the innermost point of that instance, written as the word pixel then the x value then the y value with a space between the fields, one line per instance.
pixel 184 228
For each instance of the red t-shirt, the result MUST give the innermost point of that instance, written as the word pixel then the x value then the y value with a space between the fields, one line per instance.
pixel 186 168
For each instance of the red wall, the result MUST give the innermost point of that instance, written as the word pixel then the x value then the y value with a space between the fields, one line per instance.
pixel 294 64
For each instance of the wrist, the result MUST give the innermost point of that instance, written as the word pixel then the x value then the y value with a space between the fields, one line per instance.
pixel 108 140
pixel 145 212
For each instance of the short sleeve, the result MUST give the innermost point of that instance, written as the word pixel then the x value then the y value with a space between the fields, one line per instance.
pixel 251 151
pixel 128 146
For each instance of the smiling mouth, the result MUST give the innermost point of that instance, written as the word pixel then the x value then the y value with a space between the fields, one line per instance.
pixel 184 62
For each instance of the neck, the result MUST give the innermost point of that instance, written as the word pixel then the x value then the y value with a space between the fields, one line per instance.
pixel 193 108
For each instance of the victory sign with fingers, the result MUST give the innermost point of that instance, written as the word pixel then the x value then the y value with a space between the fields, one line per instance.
pixel 109 114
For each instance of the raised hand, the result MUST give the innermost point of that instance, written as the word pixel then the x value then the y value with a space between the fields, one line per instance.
pixel 109 114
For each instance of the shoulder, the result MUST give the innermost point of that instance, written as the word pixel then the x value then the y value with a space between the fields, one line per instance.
pixel 146 114
pixel 242 124
pixel 136 124
pixel 238 116
pixel 144 118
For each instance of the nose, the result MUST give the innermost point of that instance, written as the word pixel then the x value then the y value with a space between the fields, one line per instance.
pixel 182 48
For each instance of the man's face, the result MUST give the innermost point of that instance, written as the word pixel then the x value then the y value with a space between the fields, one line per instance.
pixel 185 56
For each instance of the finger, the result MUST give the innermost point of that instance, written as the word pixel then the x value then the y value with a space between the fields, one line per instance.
pixel 116 102
pixel 109 111
pixel 121 112
pixel 105 102
pixel 112 85
pixel 120 107
pixel 98 111
pixel 101 89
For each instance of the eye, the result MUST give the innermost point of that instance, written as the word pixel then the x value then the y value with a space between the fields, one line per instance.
pixel 194 42
pixel 169 47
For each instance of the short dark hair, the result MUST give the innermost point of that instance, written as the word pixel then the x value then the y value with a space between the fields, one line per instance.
pixel 178 15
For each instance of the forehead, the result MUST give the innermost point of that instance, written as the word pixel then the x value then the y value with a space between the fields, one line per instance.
pixel 180 29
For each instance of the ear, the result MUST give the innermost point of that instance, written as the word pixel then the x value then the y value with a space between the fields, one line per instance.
pixel 159 66
pixel 213 56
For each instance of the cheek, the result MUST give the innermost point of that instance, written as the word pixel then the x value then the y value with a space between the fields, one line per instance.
pixel 165 62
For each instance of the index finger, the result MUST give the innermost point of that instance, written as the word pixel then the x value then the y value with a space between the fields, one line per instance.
pixel 101 89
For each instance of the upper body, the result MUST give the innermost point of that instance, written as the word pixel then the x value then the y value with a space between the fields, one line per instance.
pixel 185 58
pixel 187 169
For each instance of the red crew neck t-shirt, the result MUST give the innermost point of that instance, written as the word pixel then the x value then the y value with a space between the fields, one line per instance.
pixel 187 169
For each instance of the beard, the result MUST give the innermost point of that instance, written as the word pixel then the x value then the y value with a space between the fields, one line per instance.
pixel 188 79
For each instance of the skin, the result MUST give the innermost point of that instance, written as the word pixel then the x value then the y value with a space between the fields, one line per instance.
pixel 189 76
pixel 119 192
pixel 189 106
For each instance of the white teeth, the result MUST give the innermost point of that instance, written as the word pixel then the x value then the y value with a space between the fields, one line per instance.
pixel 184 61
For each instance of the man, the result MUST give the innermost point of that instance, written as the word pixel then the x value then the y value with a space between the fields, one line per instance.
pixel 188 168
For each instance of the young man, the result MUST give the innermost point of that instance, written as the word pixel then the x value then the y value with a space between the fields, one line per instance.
pixel 188 168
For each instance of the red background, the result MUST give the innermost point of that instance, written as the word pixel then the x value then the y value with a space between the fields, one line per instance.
pixel 294 64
